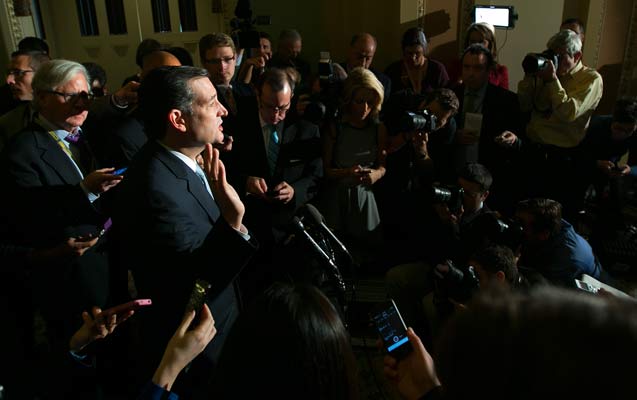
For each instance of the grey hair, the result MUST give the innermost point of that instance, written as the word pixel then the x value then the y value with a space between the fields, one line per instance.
pixel 289 35
pixel 568 39
pixel 54 74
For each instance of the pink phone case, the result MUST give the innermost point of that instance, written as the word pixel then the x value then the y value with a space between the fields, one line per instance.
pixel 131 305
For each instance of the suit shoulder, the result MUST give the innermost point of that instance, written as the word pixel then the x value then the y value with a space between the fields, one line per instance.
pixel 303 126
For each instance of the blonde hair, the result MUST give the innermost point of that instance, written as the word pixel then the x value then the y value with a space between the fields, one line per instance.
pixel 361 78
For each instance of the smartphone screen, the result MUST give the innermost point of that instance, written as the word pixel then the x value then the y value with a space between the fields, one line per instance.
pixel 585 286
pixel 391 327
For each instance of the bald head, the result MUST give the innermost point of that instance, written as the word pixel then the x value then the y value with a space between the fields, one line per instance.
pixel 158 59
pixel 361 51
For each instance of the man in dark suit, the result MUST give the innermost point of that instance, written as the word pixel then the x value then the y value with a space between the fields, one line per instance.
pixel 176 221
pixel 487 113
pixel 22 68
pixel 128 136
pixel 278 166
pixel 53 194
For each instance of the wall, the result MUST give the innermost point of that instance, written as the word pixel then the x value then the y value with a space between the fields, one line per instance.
pixel 612 49
pixel 328 25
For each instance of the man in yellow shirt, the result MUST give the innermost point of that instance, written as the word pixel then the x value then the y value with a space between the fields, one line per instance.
pixel 561 100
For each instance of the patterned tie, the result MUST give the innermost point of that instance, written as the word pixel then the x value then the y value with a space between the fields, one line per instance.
pixel 273 148
pixel 203 178
pixel 80 151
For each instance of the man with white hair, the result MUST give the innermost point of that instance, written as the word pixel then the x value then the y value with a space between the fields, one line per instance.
pixel 561 99
pixel 52 192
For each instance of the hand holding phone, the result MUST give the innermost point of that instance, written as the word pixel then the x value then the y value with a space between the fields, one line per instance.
pixel 391 328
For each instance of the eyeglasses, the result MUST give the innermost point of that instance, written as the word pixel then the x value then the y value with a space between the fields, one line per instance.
pixel 217 61
pixel 73 97
pixel 277 110
pixel 19 73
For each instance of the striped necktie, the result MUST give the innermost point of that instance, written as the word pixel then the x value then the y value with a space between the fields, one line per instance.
pixel 273 148
pixel 204 179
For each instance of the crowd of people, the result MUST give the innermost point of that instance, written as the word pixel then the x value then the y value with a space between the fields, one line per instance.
pixel 186 183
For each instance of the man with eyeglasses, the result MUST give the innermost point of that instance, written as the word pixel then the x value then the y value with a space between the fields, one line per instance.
pixel 219 57
pixel 561 99
pixel 278 161
pixel 18 112
pixel 53 192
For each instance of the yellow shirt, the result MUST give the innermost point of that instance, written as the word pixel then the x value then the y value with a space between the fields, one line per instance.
pixel 561 109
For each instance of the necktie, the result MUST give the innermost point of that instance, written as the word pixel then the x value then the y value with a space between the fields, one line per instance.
pixel 80 152
pixel 204 179
pixel 273 148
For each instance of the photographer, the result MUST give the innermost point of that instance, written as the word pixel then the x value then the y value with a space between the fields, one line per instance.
pixel 561 99
pixel 450 235
pixel 421 133
pixel 609 141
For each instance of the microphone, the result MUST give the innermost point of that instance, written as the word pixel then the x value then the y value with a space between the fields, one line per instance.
pixel 317 218
pixel 298 225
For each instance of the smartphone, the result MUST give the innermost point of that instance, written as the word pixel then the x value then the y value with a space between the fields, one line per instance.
pixel 105 228
pixel 197 298
pixel 365 171
pixel 126 307
pixel 120 171
pixel 272 193
pixel 392 329
pixel 585 286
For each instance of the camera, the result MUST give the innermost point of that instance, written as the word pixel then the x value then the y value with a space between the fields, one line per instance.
pixel 450 195
pixel 243 33
pixel 454 283
pixel 407 121
pixel 535 62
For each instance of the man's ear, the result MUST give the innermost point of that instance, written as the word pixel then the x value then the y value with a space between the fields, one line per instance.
pixel 176 119
pixel 500 276
pixel 485 195
pixel 577 56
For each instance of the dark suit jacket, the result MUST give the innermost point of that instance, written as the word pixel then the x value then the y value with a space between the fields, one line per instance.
pixel 126 139
pixel 45 205
pixel 299 164
pixel 169 232
pixel 14 121
pixel 500 112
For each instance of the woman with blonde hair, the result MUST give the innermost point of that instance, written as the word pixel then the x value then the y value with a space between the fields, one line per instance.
pixel 354 159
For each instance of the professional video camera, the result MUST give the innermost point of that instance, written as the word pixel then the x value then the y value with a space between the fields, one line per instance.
pixel 243 33
pixel 451 282
pixel 450 195
pixel 323 105
pixel 535 62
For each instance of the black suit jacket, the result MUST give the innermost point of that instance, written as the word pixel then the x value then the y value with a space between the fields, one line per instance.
pixel 500 112
pixel 299 164
pixel 169 232
pixel 45 205
pixel 126 139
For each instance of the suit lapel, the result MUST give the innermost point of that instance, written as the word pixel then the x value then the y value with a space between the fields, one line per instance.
pixel 194 185
pixel 55 157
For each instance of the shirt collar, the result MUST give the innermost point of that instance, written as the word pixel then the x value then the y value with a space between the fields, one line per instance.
pixel 59 132
pixel 577 68
pixel 192 164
